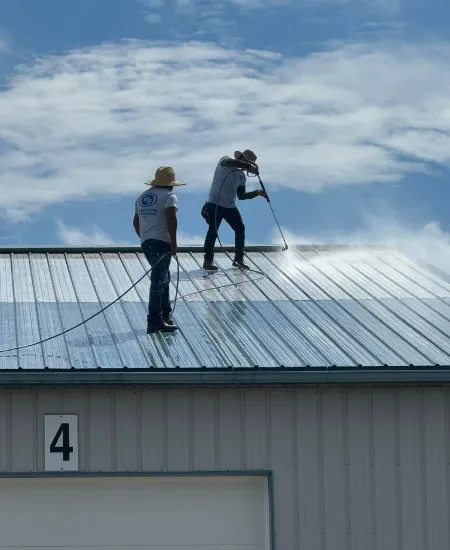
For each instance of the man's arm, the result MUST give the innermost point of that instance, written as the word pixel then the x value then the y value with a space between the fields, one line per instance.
pixel 172 223
pixel 243 195
pixel 242 164
pixel 136 225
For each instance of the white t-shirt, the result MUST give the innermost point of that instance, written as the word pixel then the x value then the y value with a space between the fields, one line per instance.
pixel 151 209
pixel 226 181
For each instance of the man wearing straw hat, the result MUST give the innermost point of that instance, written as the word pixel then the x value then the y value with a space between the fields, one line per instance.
pixel 229 183
pixel 155 223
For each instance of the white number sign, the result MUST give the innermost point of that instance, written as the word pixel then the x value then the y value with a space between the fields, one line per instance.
pixel 61 442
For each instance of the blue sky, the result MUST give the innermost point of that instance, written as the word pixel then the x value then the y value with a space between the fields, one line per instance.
pixel 345 102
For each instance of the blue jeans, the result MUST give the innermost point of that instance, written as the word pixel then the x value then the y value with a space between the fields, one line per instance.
pixel 233 217
pixel 159 307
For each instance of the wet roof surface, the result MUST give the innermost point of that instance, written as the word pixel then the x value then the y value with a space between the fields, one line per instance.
pixel 316 307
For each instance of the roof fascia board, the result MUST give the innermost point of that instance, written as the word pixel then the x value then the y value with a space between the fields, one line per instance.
pixel 132 249
pixel 98 378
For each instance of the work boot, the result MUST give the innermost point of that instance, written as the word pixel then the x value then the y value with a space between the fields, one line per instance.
pixel 240 264
pixel 168 320
pixel 210 266
pixel 160 327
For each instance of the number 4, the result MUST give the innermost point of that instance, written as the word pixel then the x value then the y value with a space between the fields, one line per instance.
pixel 66 449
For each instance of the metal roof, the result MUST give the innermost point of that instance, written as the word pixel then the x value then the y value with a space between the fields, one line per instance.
pixel 315 307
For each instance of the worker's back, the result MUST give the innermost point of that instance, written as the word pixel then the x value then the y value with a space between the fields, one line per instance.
pixel 226 181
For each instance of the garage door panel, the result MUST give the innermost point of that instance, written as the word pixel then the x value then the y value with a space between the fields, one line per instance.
pixel 181 513
pixel 147 547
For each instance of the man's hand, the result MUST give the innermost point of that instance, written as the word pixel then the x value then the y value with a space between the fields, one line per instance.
pixel 262 193
pixel 253 168
pixel 173 249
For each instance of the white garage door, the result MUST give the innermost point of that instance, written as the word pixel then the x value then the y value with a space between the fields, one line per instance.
pixel 176 513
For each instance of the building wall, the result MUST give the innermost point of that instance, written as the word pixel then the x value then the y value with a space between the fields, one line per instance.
pixel 355 468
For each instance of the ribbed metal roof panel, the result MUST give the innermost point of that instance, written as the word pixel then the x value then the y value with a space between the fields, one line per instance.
pixel 311 306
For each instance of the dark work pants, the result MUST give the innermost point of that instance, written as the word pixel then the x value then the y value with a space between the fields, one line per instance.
pixel 233 217
pixel 159 307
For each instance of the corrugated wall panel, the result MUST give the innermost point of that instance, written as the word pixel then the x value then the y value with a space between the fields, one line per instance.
pixel 360 474
pixel 386 469
pixel 231 431
pixel 153 430
pixel 44 401
pixel 179 431
pixel 257 437
pixel 204 432
pixel 413 528
pixel 5 444
pixel 23 432
pixel 101 441
pixel 354 468
pixel 283 461
pixel 126 428
pixel 309 483
pixel 335 498
pixel 436 458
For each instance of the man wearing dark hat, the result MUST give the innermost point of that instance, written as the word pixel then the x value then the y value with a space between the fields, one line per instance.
pixel 155 222
pixel 229 183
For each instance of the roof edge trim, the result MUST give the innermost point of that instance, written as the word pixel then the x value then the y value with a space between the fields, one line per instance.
pixel 187 248
pixel 244 377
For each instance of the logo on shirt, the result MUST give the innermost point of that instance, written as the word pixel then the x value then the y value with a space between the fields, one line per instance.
pixel 148 200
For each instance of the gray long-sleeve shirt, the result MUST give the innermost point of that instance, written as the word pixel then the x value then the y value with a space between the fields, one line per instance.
pixel 229 182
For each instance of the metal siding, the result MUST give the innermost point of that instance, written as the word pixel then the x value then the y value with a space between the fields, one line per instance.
pixel 101 441
pixel 5 425
pixel 318 308
pixel 352 468
pixel 435 441
pixel 359 469
pixel 283 448
pixel 47 402
pixel 334 469
pixel 204 431
pixel 126 430
pixel 153 431
pixel 230 430
pixel 309 483
pixel 256 436
pixel 386 469
pixel 23 432
pixel 179 431
pixel 410 469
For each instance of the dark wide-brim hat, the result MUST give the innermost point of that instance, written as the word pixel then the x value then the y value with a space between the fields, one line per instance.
pixel 165 177
pixel 247 154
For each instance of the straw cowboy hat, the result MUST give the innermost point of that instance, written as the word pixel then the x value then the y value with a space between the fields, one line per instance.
pixel 164 177
pixel 247 154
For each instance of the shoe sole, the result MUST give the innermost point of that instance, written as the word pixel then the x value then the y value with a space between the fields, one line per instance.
pixel 153 331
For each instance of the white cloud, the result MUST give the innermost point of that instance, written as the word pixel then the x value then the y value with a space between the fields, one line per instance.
pixel 152 4
pixel 220 17
pixel 187 239
pixel 154 18
pixel 96 122
pixel 94 236
pixel 428 243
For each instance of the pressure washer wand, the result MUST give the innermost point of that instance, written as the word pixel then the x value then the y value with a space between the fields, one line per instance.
pixel 275 218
